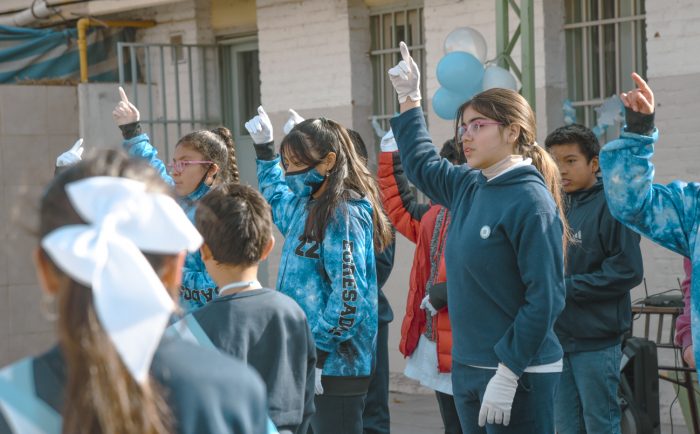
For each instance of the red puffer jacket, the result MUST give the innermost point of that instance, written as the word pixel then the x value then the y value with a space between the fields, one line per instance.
pixel 426 226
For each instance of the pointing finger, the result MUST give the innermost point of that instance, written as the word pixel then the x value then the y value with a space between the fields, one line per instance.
pixel 77 144
pixel 641 84
pixel 122 95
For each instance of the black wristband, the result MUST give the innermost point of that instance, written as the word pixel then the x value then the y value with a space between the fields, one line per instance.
pixel 438 295
pixel 321 357
pixel 131 130
pixel 265 151
pixel 639 123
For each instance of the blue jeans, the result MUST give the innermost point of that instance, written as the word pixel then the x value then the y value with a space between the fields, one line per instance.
pixel 587 397
pixel 533 405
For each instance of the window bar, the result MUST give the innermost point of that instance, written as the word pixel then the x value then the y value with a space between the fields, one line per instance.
pixel 191 85
pixel 601 54
pixel 618 83
pixel 132 59
pixel 176 66
pixel 165 104
pixel 203 56
pixel 149 86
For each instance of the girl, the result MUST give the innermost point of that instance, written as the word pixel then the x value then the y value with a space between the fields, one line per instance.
pixel 666 214
pixel 503 254
pixel 327 206
pixel 202 158
pixel 426 336
pixel 112 241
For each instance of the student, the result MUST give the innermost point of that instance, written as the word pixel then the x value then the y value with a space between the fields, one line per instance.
pixel 262 327
pixel 426 336
pixel 666 214
pixel 327 206
pixel 202 159
pixel 112 371
pixel 603 265
pixel 503 254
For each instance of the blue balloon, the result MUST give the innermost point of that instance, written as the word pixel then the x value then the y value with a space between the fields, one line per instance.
pixel 460 72
pixel 446 103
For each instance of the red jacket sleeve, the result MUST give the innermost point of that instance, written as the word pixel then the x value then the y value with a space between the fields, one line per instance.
pixel 399 202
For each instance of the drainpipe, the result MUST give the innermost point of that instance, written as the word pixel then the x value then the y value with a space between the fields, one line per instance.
pixel 83 25
pixel 39 10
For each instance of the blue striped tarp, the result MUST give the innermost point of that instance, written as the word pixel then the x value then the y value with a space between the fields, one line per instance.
pixel 36 54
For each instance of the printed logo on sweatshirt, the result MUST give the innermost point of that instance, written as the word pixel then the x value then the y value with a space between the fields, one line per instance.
pixel 311 252
pixel 577 236
pixel 485 232
pixel 347 315
pixel 198 295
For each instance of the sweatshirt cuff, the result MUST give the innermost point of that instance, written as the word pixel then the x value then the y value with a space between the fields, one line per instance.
pixel 321 357
pixel 639 123
pixel 130 130
pixel 265 151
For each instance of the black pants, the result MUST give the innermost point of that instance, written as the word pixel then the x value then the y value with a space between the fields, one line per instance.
pixel 448 412
pixel 375 417
pixel 338 414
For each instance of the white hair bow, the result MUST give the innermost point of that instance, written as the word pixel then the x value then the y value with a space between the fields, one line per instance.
pixel 123 219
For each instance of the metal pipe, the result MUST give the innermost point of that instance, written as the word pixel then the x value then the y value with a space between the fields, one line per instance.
pixel 39 10
pixel 82 27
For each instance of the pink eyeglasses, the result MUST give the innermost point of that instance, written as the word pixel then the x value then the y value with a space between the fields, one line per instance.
pixel 178 166
pixel 474 126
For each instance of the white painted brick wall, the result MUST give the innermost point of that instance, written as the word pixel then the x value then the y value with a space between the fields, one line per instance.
pixel 676 49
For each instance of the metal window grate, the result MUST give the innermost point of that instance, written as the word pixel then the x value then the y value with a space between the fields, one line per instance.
pixel 387 28
pixel 178 92
pixel 605 43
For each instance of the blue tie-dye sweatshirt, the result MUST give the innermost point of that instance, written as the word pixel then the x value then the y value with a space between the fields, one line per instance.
pixel 335 281
pixel 197 287
pixel 667 214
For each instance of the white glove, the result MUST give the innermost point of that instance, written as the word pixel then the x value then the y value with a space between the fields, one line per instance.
pixel 388 144
pixel 71 156
pixel 260 127
pixel 319 386
pixel 425 305
pixel 406 77
pixel 294 119
pixel 498 398
pixel 125 112
pixel 377 128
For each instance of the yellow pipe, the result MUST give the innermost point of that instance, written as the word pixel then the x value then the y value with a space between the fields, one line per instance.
pixel 83 25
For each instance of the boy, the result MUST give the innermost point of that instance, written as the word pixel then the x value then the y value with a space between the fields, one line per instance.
pixel 603 264
pixel 263 327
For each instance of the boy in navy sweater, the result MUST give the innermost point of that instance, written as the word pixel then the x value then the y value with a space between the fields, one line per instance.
pixel 603 264
pixel 263 327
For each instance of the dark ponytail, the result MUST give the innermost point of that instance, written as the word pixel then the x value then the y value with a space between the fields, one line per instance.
pixel 215 145
pixel 232 165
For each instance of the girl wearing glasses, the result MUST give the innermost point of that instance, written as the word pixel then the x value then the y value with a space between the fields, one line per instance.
pixel 504 254
pixel 202 158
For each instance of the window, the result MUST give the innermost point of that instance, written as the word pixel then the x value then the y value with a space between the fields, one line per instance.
pixel 388 28
pixel 605 43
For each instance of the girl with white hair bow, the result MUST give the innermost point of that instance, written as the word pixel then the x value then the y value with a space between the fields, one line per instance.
pixel 112 247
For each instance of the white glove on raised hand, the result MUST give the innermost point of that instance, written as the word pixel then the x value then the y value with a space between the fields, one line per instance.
pixel 260 127
pixel 294 119
pixel 425 305
pixel 406 77
pixel 498 398
pixel 125 112
pixel 319 387
pixel 388 144
pixel 71 156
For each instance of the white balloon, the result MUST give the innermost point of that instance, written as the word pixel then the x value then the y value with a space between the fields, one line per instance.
pixel 468 40
pixel 495 76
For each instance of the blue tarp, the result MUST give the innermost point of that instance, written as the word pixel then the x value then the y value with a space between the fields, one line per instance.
pixel 36 54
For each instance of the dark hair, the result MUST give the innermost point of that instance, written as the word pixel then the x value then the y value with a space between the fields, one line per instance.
pixel 236 224
pixel 309 143
pixel 575 134
pixel 218 146
pixel 359 144
pixel 101 396
pixel 510 108
pixel 452 152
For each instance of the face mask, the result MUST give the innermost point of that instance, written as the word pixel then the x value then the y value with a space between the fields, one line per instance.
pixel 304 182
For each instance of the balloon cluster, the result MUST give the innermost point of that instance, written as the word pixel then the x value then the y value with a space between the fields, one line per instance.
pixel 461 72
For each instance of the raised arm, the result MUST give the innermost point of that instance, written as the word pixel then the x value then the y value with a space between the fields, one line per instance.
pixel 664 213
pixel 137 144
pixel 431 174
pixel 270 175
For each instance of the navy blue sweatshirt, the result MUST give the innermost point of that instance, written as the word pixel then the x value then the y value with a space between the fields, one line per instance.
pixel 603 264
pixel 504 256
